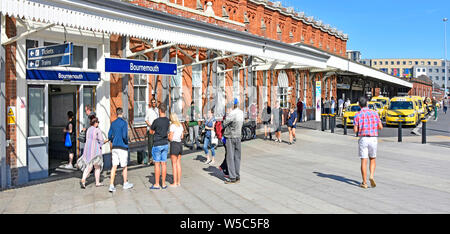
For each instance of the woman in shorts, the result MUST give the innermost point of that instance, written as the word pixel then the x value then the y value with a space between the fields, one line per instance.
pixel 176 148
pixel 292 121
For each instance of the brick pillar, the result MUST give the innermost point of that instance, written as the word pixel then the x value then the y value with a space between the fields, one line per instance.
pixel 11 90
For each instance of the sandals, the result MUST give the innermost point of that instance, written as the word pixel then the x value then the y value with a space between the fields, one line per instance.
pixel 83 185
pixel 372 183
pixel 155 188
pixel 363 186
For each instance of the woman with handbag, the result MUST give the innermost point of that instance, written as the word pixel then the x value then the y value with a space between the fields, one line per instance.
pixel 209 135
pixel 69 139
pixel 92 156
pixel 176 134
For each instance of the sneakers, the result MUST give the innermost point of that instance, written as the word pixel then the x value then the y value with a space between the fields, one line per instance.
pixel 127 185
pixel 68 166
pixel 230 181
pixel 112 188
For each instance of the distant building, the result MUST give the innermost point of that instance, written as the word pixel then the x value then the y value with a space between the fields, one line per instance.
pixel 403 67
pixel 435 73
pixel 354 55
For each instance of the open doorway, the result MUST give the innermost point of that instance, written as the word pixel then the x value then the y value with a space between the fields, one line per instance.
pixel 62 99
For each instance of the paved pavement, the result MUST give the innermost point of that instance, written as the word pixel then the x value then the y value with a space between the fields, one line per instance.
pixel 318 174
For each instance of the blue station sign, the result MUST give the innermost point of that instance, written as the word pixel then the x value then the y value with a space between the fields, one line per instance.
pixel 50 56
pixel 65 60
pixel 130 66
pixel 36 74
pixel 54 50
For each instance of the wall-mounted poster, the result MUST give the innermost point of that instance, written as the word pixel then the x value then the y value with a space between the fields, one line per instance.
pixel 318 99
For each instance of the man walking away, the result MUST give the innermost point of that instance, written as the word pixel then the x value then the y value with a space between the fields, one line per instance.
pixel 151 114
pixel 366 124
pixel 118 135
pixel 434 103
pixel 233 130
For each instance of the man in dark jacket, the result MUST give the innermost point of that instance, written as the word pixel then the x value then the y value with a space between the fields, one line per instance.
pixel 300 110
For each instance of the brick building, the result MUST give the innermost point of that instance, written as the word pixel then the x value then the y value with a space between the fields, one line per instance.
pixel 254 50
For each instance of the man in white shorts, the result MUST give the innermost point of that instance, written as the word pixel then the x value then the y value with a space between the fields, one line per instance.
pixel 118 135
pixel 366 125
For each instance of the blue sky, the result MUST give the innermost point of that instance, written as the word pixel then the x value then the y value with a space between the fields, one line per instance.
pixel 385 28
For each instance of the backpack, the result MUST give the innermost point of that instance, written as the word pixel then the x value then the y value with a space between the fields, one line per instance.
pixel 218 128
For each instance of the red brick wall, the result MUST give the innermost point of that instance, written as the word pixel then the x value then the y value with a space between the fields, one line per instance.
pixel 255 13
pixel 11 90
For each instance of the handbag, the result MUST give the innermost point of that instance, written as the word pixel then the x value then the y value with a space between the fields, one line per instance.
pixel 68 141
pixel 82 137
pixel 214 139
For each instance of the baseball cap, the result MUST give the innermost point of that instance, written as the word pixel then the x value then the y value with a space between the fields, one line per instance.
pixel 236 101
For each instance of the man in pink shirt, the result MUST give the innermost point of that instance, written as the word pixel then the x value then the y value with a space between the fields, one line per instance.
pixel 366 125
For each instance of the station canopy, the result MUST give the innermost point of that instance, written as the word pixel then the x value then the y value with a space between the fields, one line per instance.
pixel 126 19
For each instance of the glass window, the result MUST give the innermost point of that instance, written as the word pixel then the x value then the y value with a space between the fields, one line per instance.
pixel 435 63
pixel 401 105
pixel 36 111
pixel 429 63
pixel 443 78
pixel 398 62
pixel 417 63
pixel 49 43
pixel 375 63
pixel 176 91
pixel 31 44
pixel 140 92
pixel 404 62
pixel 422 62
pixel 437 70
pixel 392 62
pixel 443 70
pixel 219 111
pixel 236 80
pixel 77 56
pixel 430 70
pixel 197 86
pixel 92 58
pixel 410 63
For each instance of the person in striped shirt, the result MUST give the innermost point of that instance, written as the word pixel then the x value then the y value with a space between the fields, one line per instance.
pixel 367 123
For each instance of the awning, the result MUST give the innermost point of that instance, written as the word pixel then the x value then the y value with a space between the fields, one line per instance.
pixel 122 18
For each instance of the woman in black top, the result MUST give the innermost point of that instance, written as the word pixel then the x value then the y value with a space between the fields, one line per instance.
pixel 70 129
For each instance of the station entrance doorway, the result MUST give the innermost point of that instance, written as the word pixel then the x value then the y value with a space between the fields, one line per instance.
pixel 48 108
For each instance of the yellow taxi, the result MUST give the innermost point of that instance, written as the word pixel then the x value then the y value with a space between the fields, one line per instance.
pixel 350 112
pixel 420 106
pixel 378 107
pixel 384 100
pixel 402 109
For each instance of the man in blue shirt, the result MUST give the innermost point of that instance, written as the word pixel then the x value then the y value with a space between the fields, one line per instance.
pixel 118 135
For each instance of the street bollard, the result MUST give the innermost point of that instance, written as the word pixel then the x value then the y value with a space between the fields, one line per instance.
pixel 400 131
pixel 345 125
pixel 424 131
pixel 323 122
pixel 331 123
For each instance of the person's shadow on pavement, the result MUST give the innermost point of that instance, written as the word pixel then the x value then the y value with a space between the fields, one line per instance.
pixel 214 171
pixel 338 178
